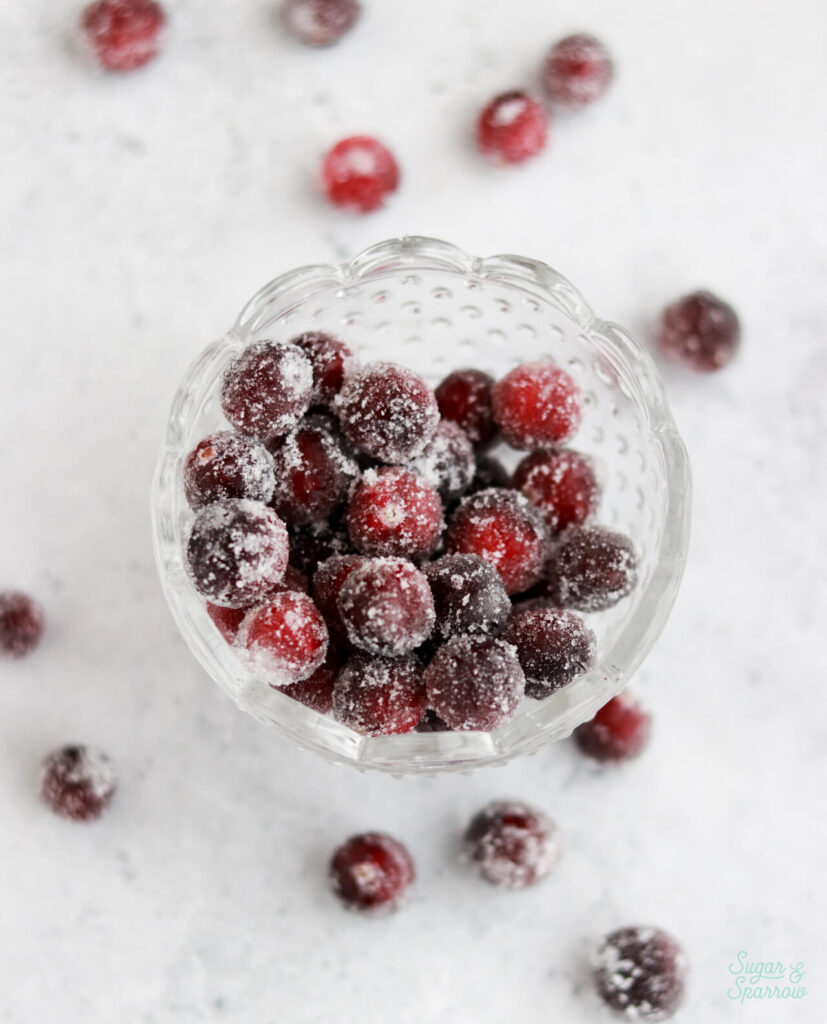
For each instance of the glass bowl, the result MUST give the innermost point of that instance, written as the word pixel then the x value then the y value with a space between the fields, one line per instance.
pixel 427 304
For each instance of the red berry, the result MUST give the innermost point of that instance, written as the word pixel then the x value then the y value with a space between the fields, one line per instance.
pixel 640 973
pixel 554 647
pixel 386 606
pixel 490 472
pixel 536 406
pixel 331 361
pixel 124 34
pixel 359 173
pixel 226 620
pixel 228 465
pixel 328 580
pixel 701 331
pixel 512 128
pixel 513 845
pixel 21 624
pixel 316 692
pixel 464 398
pixel 447 462
pixel 313 544
pixel 618 731
pixel 474 682
pixel 284 641
pixel 267 389
pixel 591 568
pixel 469 595
pixel 319 22
pixel 562 484
pixel 372 873
pixel 78 782
pixel 394 512
pixel 379 696
pixel 431 722
pixel 577 71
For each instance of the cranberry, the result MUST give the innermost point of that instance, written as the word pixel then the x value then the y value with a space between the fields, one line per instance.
pixel 490 472
pixel 226 620
pixel 327 582
pixel 577 71
pixel 316 692
pixel 618 731
pixel 394 512
pixel 469 595
pixel 512 128
pixel 536 406
pixel 386 606
pixel 447 462
pixel 21 624
pixel 228 465
pixel 464 398
pixel 431 722
pixel 237 552
pixel 553 645
pixel 331 360
pixel 474 682
pixel 267 389
pixel 591 568
pixel 319 22
pixel 562 484
pixel 78 782
pixel 313 544
pixel 513 845
pixel 124 34
pixel 379 696
pixel 372 873
pixel 388 411
pixel 502 527
pixel 640 973
pixel 359 173
pixel 283 641
pixel 701 331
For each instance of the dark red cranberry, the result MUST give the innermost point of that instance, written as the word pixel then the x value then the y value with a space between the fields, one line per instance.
pixel 553 645
pixel 577 71
pixel 562 484
pixel 701 331
pixel 313 544
pixel 394 512
pixel 316 692
pixel 283 641
pixel 228 465
pixel 618 731
pixel 359 173
pixel 464 398
pixel 237 552
pixel 319 22
pixel 267 389
pixel 591 568
pixel 124 34
pixel 536 406
pixel 78 782
pixel 640 973
pixel 386 606
pixel 431 722
pixel 512 844
pixel 447 462
pixel 372 873
pixel 388 411
pixel 469 595
pixel 512 127
pixel 327 582
pixel 21 624
pixel 474 682
pixel 379 696
pixel 331 361
pixel 226 620
pixel 490 472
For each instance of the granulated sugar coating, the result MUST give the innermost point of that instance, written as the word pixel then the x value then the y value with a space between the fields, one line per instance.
pixel 561 484
pixel 78 782
pixel 512 844
pixel 464 398
pixel 577 71
pixel 319 22
pixel 331 361
pixel 640 972
pixel 393 511
pixel 447 462
pixel 328 580
pixel 123 34
pixel 512 128
pixel 591 568
pixel 21 624
pixel 469 595
pixel 316 692
pixel 267 389
pixel 372 873
pixel 228 465
pixel 380 696
pixel 619 731
pixel 536 406
pixel 701 331
pixel 312 544
pixel 554 647
pixel 284 641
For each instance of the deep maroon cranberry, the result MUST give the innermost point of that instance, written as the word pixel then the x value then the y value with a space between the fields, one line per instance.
pixel 124 34
pixel 379 696
pixel 464 398
pixel 640 972
pixel 283 641
pixel 591 568
pixel 562 484
pixel 331 360
pixel 327 582
pixel 536 406
pixel 474 682
pixel 78 782
pixel 267 389
pixel 316 692
pixel 577 71
pixel 228 465
pixel 386 606
pixel 469 595
pixel 512 128
pixel 319 22
pixel 447 462
pixel 359 173
pixel 393 511
pixel 701 331
pixel 372 873
pixel 21 624
pixel 313 544
pixel 553 645
pixel 620 730
pixel 512 844
pixel 490 472
pixel 431 722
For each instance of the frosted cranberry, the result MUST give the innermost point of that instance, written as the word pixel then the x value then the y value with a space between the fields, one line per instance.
pixel 388 411
pixel 372 873
pixel 226 620
pixel 78 782
pixel 512 128
pixel 394 512
pixel 536 406
pixel 237 552
pixel 21 624
pixel 553 645
pixel 379 696
pixel 562 484
pixel 464 398
pixel 618 731
pixel 283 641
pixel 701 331
pixel 319 22
pixel 447 462
pixel 386 606
pixel 327 582
pixel 474 682
pixel 313 544
pixel 506 530
pixel 490 472
pixel 359 173
pixel 591 568
pixel 431 722
pixel 267 389
pixel 124 34
pixel 330 360
pixel 228 465
pixel 577 71
pixel 469 595
pixel 640 973
pixel 512 844
pixel 316 692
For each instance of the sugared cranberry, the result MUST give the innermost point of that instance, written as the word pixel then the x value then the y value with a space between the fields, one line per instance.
pixel 283 641
pixel 388 411
pixel 512 845
pixel 474 682
pixel 359 173
pixel 331 361
pixel 328 580
pixel 394 512
pixel 701 331
pixel 267 389
pixel 379 696
pixel 469 595
pixel 640 973
pixel 562 484
pixel 319 22
pixel 536 406
pixel 313 544
pixel 431 722
pixel 618 731
pixel 78 782
pixel 490 472
pixel 506 530
pixel 447 462
pixel 124 34
pixel 577 71
pixel 316 692
pixel 372 873
pixel 591 568
pixel 386 606
pixel 21 624
pixel 553 645
pixel 464 398
pixel 226 620
pixel 228 465
pixel 512 128
pixel 237 552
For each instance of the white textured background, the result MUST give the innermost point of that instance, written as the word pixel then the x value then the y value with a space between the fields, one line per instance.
pixel 137 215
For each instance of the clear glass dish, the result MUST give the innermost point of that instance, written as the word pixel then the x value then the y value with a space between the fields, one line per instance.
pixel 427 304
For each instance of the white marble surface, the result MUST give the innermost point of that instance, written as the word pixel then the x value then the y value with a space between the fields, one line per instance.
pixel 137 216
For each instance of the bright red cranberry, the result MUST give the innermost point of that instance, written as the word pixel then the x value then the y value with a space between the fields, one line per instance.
pixel 388 411
pixel 319 22
pixel 431 722
pixel 237 552
pixel 640 973
pixel 447 462
pixel 283 641
pixel 620 730
pixel 316 692
pixel 512 128
pixel 386 606
pixel 21 624
pixel 78 782
pixel 474 682
pixel 553 645
pixel 328 580
pixel 267 389
pixel 331 361
pixel 379 696
pixel 490 472
pixel 228 465
pixel 536 406
pixel 464 398
pixel 562 484
pixel 512 844
pixel 124 34
pixel 359 173
pixel 506 530
pixel 591 568
pixel 469 595
pixel 372 873
pixel 313 544
pixel 577 71
pixel 701 331
pixel 394 512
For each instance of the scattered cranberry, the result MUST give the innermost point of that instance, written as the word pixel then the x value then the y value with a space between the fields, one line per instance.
pixel 562 484
pixel 78 782
pixel 447 462
pixel 284 641
pixel 267 389
pixel 386 606
pixel 619 731
pixel 226 620
pixel 577 71
pixel 490 472
pixel 228 465
pixel 512 128
pixel 469 595
pixel 313 544
pixel 316 692
pixel 394 512
pixel 431 722
pixel 359 173
pixel 21 624
pixel 372 873
pixel 701 331
pixel 464 398
pixel 328 580
pixel 536 406
pixel 553 645
pixel 379 696
pixel 319 22
pixel 474 682
pixel 513 845
pixel 331 360
pixel 591 568
pixel 640 973
pixel 124 34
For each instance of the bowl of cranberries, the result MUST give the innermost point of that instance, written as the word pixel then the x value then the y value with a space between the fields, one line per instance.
pixel 422 511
